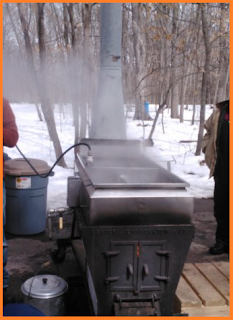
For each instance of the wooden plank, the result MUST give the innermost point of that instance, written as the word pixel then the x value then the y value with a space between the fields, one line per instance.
pixel 202 287
pixel 223 267
pixel 216 278
pixel 223 311
pixel 185 296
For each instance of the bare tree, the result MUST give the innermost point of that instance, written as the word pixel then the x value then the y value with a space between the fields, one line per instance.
pixel 204 76
pixel 72 55
pixel 41 85
pixel 174 63
pixel 223 67
pixel 138 16
pixel 88 69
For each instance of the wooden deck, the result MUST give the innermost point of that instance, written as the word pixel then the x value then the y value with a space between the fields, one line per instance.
pixel 203 290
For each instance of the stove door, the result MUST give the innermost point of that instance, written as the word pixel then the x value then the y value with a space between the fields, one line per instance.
pixel 137 266
pixel 153 266
pixel 122 265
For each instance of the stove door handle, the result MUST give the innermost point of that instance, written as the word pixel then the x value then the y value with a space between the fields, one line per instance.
pixel 129 270
pixel 111 279
pixel 109 254
pixel 145 270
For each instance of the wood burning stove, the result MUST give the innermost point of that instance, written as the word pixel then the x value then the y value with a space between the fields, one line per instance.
pixel 134 228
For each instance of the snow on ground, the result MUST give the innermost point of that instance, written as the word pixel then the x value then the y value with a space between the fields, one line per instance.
pixel 35 143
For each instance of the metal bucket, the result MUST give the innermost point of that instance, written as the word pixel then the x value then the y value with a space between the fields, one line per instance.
pixel 46 293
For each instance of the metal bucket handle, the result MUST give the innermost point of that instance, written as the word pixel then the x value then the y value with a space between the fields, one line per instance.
pixel 44 265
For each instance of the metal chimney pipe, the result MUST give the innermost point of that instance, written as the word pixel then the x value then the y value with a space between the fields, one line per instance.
pixel 108 121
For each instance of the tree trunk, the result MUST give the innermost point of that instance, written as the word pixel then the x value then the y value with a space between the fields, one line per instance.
pixel 161 108
pixel 39 112
pixel 195 90
pixel 45 100
pixel 221 89
pixel 184 86
pixel 174 64
pixel 74 83
pixel 88 75
pixel 140 56
pixel 48 115
pixel 204 77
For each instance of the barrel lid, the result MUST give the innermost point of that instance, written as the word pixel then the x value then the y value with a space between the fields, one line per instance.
pixel 19 167
pixel 44 286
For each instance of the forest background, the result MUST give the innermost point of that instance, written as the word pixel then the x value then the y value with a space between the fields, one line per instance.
pixel 173 55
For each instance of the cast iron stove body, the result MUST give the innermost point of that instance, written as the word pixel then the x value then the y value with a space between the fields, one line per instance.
pixel 134 222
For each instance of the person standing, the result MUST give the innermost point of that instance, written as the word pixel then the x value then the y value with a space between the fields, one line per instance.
pixel 215 146
pixel 10 138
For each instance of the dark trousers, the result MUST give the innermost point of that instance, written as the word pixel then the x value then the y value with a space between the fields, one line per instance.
pixel 221 208
pixel 5 250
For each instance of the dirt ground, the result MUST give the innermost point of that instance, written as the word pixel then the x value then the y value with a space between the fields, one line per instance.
pixel 27 254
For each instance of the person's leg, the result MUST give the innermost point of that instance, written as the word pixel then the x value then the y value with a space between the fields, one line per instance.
pixel 221 213
pixel 222 231
pixel 5 272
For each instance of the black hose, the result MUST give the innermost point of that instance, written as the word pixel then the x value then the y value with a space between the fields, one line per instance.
pixel 62 155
